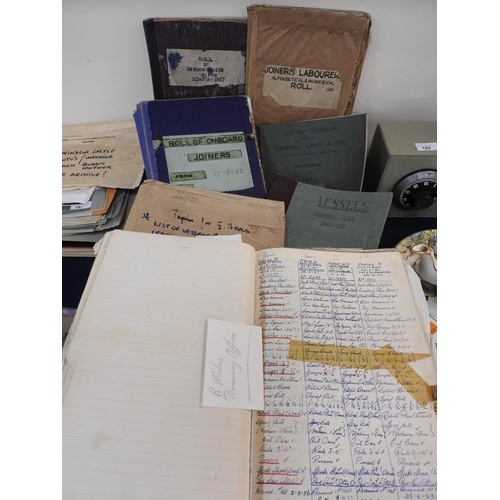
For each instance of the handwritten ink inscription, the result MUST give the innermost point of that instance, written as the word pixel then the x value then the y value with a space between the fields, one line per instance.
pixel 91 162
pixel 332 426
pixel 102 163
pixel 220 369
pixel 191 225
pixel 231 359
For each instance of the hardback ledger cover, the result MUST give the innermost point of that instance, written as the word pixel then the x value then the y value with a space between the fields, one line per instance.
pixel 304 63
pixel 197 57
pixel 321 217
pixel 205 143
pixel 328 152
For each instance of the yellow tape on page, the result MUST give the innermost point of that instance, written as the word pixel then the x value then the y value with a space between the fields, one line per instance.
pixel 396 363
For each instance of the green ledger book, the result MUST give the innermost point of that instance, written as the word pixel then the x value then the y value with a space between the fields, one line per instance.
pixel 321 217
pixel 328 152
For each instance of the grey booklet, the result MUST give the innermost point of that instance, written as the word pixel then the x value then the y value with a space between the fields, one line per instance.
pixel 329 152
pixel 321 217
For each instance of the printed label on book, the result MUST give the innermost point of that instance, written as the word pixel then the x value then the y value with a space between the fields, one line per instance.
pixel 217 162
pixel 198 68
pixel 303 87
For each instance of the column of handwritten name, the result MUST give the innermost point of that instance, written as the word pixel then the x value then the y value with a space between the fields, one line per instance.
pixel 341 424
pixel 373 475
pixel 332 474
pixel 407 425
pixel 280 431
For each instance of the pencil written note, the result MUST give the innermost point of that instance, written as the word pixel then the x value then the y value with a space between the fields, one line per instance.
pixel 233 366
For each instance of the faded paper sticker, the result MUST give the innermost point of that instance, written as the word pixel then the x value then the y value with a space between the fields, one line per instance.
pixel 303 87
pixel 233 366
pixel 198 68
pixel 217 162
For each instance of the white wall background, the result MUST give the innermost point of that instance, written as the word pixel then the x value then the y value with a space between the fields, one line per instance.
pixel 105 66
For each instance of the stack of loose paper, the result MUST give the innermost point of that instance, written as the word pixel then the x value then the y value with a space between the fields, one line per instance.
pixel 101 166
pixel 104 210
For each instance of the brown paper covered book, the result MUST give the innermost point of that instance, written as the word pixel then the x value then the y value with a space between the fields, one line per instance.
pixel 303 63
pixel 161 208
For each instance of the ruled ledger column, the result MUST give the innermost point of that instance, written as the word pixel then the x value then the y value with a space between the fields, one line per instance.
pixel 373 473
pixel 330 459
pixel 280 466
pixel 402 422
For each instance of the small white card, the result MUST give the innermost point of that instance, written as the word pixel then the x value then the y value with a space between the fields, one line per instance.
pixel 80 207
pixel 426 146
pixel 233 366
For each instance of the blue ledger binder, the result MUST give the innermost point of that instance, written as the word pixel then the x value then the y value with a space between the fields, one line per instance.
pixel 206 143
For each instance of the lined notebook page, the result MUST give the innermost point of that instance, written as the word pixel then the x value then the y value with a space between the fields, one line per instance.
pixel 133 425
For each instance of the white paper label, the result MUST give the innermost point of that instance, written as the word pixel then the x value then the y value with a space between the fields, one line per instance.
pixel 77 196
pixel 230 237
pixel 304 87
pixel 216 162
pixel 197 68
pixel 233 366
pixel 81 206
pixel 426 146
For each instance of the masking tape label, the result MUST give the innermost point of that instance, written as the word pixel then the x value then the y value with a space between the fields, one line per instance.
pixel 396 363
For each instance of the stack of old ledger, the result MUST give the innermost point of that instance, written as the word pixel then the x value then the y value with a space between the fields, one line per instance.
pixel 262 107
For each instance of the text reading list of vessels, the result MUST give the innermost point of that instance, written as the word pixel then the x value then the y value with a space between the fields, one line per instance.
pixel 347 424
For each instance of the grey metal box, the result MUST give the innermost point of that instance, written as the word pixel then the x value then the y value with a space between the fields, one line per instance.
pixel 393 156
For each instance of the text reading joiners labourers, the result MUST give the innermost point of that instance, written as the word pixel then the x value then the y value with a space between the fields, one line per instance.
pixel 299 78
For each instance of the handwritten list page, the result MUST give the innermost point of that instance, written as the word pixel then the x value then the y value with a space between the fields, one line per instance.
pixel 347 370
pixel 133 424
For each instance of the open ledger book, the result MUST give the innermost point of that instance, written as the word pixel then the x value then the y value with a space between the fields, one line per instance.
pixel 347 370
